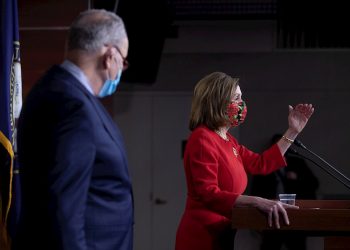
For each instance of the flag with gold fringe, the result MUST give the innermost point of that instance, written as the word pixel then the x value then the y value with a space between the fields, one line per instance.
pixel 10 106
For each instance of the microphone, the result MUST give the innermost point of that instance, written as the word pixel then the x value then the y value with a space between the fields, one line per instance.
pixel 300 144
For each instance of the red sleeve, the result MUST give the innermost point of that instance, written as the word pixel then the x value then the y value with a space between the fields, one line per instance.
pixel 201 162
pixel 265 163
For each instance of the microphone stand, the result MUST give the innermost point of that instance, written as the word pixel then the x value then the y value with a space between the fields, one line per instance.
pixel 300 144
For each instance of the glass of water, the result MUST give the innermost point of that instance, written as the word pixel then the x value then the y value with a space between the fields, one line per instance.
pixel 287 198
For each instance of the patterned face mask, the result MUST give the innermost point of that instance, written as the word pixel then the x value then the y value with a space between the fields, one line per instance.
pixel 236 113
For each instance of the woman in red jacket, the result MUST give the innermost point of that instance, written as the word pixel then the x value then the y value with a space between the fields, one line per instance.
pixel 216 165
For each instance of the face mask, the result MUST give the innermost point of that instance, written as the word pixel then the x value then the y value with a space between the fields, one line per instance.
pixel 236 113
pixel 110 86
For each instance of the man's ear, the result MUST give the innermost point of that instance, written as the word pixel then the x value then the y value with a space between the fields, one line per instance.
pixel 107 58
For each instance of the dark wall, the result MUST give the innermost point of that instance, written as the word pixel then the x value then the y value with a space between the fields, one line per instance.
pixel 147 23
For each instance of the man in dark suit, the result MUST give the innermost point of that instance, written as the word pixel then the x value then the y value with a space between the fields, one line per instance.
pixel 77 192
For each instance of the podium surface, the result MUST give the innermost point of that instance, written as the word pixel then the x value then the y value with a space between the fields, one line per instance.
pixel 327 218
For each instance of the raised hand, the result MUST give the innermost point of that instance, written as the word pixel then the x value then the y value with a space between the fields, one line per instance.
pixel 299 116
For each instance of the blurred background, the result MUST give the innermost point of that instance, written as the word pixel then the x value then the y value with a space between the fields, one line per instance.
pixel 285 52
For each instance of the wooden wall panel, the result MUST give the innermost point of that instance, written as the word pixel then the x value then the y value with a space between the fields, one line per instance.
pixel 40 49
pixel 43 29
pixel 49 13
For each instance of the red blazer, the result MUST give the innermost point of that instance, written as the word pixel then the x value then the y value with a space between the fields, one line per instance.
pixel 216 175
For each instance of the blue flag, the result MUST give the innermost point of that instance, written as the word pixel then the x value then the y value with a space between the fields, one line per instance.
pixel 10 106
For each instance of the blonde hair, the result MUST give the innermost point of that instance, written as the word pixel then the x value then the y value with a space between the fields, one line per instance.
pixel 211 96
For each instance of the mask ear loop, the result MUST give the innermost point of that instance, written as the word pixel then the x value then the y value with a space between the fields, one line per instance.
pixel 106 62
pixel 242 105
pixel 115 59
pixel 120 63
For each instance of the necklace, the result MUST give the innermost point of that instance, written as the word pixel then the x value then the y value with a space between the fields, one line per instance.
pixel 222 134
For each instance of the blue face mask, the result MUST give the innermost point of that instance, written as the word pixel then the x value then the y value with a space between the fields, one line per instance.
pixel 110 86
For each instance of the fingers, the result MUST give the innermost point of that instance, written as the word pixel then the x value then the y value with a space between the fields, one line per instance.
pixel 285 215
pixel 275 211
pixel 270 217
pixel 276 215
pixel 290 108
pixel 305 109
pixel 289 206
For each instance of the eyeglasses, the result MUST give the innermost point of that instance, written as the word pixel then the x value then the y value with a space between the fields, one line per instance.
pixel 125 61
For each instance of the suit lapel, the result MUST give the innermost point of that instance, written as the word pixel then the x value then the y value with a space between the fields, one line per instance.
pixel 110 126
pixel 100 110
pixel 106 119
pixel 108 123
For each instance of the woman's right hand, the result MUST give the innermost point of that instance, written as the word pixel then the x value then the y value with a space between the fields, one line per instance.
pixel 299 116
pixel 272 208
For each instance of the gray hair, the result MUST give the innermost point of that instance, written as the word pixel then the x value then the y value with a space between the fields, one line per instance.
pixel 93 29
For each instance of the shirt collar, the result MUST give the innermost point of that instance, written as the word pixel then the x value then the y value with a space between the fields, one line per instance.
pixel 78 74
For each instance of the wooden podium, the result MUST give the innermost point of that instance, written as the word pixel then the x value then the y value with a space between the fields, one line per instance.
pixel 323 218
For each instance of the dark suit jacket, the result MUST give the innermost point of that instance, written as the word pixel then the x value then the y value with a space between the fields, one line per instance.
pixel 75 184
